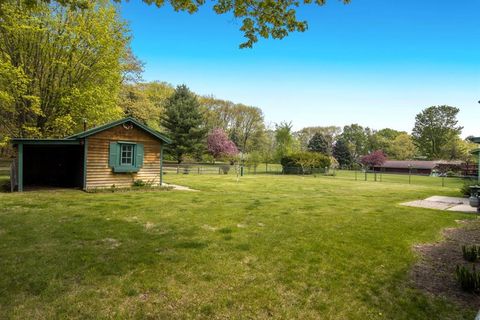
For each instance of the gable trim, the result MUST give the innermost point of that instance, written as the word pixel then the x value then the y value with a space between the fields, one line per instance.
pixel 110 125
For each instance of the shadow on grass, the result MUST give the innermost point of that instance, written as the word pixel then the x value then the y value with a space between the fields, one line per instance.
pixel 52 255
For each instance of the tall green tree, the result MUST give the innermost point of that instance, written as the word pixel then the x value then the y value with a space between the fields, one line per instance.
pixel 383 140
pixel 319 143
pixel 60 66
pixel 259 18
pixel 183 122
pixel 145 101
pixel 402 147
pixel 247 127
pixel 459 149
pixel 243 124
pixel 356 138
pixel 434 128
pixel 267 146
pixel 284 141
pixel 342 152
pixel 306 134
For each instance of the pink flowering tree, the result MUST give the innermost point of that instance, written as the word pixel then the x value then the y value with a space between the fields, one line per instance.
pixel 374 159
pixel 219 145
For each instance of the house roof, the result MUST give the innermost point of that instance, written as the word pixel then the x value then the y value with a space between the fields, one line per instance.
pixel 474 139
pixel 107 126
pixel 75 139
pixel 415 164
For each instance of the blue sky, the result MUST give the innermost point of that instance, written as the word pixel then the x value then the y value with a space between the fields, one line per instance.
pixel 373 62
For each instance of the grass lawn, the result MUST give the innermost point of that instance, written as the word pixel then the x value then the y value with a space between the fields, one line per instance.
pixel 280 247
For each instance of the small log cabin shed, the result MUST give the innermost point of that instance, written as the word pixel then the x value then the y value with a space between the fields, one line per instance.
pixel 115 154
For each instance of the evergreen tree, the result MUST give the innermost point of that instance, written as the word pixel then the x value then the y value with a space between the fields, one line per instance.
pixel 319 143
pixel 184 123
pixel 342 153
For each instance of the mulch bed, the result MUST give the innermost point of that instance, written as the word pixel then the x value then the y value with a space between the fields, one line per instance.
pixel 435 272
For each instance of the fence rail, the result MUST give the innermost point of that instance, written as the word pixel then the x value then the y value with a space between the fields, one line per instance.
pixel 276 169
pixel 347 175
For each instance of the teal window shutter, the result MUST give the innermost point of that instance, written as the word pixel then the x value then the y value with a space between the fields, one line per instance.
pixel 113 159
pixel 139 152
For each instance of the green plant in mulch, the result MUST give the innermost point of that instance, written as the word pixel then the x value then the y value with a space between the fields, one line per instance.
pixel 465 188
pixel 471 253
pixel 469 279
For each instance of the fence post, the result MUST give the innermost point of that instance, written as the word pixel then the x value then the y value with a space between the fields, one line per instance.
pixel 198 170
pixel 409 175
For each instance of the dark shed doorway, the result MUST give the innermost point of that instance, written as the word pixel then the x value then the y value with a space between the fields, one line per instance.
pixel 53 166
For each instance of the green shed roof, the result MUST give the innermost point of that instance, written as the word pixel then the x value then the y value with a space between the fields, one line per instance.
pixel 74 139
pixel 107 126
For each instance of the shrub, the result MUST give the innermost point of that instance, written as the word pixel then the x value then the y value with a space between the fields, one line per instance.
pixel 304 162
pixel 138 183
pixel 208 158
pixel 468 279
pixel 465 189
pixel 471 253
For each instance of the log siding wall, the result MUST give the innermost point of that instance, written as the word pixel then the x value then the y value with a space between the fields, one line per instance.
pixel 100 175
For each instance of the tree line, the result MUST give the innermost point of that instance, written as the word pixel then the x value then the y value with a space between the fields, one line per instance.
pixel 210 129
pixel 64 64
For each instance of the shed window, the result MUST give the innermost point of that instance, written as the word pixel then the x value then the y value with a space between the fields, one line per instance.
pixel 126 154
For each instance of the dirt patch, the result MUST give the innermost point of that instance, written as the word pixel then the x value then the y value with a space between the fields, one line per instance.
pixel 179 188
pixel 209 228
pixel 435 272
pixel 149 225
pixel 111 243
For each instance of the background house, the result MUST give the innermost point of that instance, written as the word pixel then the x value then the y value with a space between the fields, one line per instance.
pixel 419 166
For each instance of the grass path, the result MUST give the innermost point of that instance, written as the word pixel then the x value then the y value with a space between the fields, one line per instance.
pixel 280 247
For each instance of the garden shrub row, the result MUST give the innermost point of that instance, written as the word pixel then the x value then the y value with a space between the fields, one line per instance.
pixel 305 163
